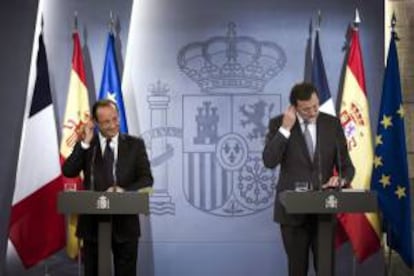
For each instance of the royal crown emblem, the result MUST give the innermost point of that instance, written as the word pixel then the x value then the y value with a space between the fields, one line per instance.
pixel 331 202
pixel 102 203
pixel 224 63
pixel 224 129
pixel 352 121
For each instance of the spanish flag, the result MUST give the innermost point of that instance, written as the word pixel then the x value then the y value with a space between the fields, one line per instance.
pixel 77 112
pixel 363 230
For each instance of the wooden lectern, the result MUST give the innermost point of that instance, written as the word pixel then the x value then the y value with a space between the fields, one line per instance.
pixel 326 204
pixel 103 203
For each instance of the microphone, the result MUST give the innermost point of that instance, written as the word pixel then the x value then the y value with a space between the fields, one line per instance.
pixel 114 180
pixel 92 168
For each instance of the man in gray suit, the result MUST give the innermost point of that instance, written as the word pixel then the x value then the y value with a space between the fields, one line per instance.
pixel 308 145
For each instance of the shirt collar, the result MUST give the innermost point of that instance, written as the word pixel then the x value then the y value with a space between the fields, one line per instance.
pixel 102 140
pixel 302 121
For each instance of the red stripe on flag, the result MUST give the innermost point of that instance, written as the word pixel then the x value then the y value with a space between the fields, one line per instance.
pixel 77 60
pixel 355 61
pixel 36 228
pixel 364 239
pixel 340 235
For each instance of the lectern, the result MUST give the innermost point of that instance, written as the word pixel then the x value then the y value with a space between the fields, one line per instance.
pixel 326 204
pixel 103 203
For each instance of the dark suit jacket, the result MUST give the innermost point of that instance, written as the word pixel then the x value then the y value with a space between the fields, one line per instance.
pixel 295 163
pixel 132 173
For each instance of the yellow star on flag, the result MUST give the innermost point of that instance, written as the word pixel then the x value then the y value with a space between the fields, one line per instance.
pixel 378 140
pixel 401 111
pixel 386 121
pixel 400 192
pixel 385 180
pixel 377 161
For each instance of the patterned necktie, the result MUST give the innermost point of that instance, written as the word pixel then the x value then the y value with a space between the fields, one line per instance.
pixel 108 158
pixel 308 138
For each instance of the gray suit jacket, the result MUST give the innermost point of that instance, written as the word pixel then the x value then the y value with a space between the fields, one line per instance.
pixel 295 163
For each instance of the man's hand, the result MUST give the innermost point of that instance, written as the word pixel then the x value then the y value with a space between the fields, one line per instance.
pixel 86 132
pixel 289 118
pixel 334 182
pixel 115 189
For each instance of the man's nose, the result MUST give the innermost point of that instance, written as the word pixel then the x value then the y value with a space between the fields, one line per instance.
pixel 313 113
pixel 113 124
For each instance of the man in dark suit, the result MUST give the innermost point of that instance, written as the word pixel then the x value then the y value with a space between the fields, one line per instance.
pixel 111 162
pixel 308 145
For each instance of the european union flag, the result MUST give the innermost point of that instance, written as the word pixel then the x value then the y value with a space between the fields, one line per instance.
pixel 390 174
pixel 111 84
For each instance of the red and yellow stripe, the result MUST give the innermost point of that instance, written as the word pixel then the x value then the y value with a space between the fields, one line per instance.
pixel 77 112
pixel 363 230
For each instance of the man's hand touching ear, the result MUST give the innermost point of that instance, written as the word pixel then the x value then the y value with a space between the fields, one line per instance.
pixel 289 118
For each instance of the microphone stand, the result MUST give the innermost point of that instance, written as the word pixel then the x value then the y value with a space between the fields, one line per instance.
pixel 114 178
pixel 339 163
pixel 92 168
pixel 318 144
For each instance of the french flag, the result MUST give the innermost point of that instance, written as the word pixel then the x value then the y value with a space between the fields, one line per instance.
pixel 320 81
pixel 36 229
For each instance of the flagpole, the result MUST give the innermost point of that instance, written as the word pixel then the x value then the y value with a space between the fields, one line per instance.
pixel 389 254
pixel 388 237
pixel 79 253
pixel 357 21
pixel 393 24
pixel 46 269
pixel 310 28
pixel 42 23
pixel 388 264
pixel 111 23
pixel 319 21
pixel 79 258
pixel 75 21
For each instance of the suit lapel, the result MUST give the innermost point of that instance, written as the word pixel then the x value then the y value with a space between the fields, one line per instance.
pixel 99 179
pixel 319 141
pixel 96 146
pixel 318 137
pixel 122 149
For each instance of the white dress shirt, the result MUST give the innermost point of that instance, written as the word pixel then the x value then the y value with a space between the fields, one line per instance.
pixel 311 126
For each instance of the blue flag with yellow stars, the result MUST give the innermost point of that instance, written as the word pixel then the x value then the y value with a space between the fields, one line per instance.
pixel 111 83
pixel 390 175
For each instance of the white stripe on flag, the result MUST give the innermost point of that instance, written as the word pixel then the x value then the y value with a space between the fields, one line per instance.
pixel 328 107
pixel 39 158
